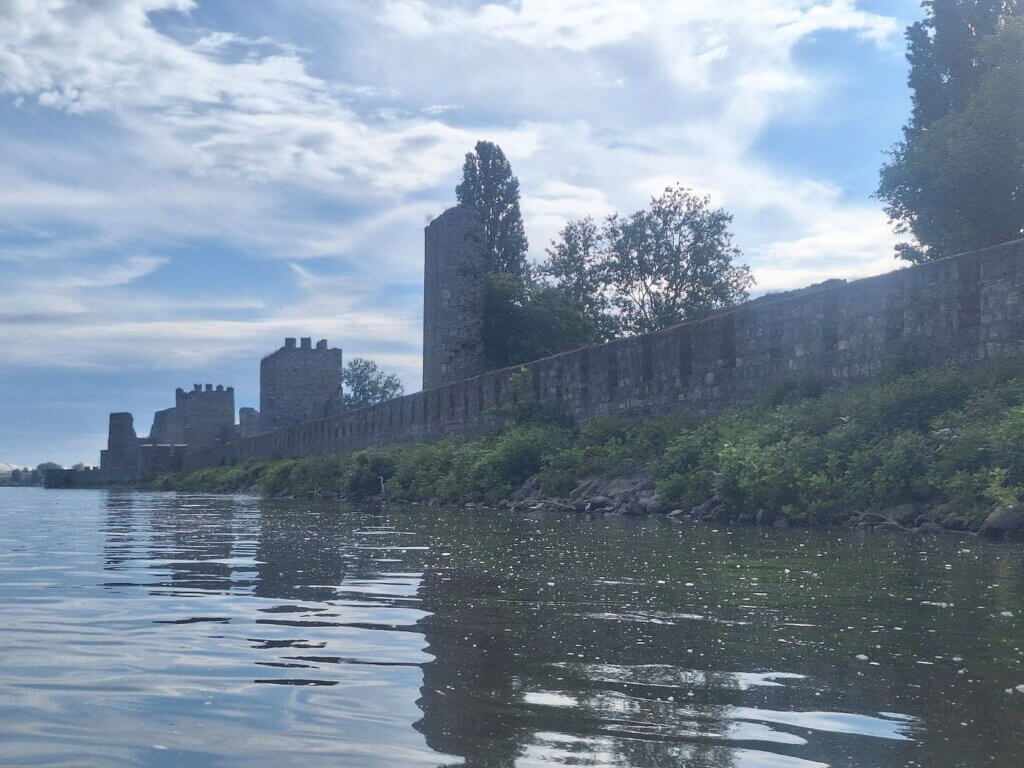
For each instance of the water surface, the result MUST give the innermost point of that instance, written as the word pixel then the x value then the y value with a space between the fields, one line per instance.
pixel 161 630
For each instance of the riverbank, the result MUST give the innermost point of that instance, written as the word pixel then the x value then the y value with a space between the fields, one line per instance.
pixel 933 450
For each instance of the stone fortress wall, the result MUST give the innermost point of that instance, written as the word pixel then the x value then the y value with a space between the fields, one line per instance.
pixel 960 310
pixel 199 418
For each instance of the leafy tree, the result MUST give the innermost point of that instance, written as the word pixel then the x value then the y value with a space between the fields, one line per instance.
pixel 366 384
pixel 489 186
pixel 671 261
pixel 576 264
pixel 525 320
pixel 575 260
pixel 634 274
pixel 651 269
pixel 954 182
pixel 27 477
pixel 942 50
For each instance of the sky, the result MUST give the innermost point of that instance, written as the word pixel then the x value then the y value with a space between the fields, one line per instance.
pixel 184 183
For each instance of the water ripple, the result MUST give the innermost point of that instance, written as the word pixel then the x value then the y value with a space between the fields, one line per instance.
pixel 146 629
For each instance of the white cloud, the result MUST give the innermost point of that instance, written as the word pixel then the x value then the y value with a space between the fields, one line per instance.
pixel 258 114
pixel 171 134
pixel 557 202
pixel 127 271
pixel 575 25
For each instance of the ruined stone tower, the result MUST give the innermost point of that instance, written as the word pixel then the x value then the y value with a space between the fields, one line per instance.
pixel 199 418
pixel 121 457
pixel 453 298
pixel 205 416
pixel 299 384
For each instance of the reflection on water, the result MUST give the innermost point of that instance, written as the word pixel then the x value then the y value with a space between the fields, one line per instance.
pixel 142 629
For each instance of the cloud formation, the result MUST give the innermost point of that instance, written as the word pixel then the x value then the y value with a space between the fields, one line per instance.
pixel 187 181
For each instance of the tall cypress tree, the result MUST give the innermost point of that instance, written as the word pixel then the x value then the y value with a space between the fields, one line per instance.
pixel 489 186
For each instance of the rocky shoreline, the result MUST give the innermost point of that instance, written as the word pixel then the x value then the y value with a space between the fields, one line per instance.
pixel 634 495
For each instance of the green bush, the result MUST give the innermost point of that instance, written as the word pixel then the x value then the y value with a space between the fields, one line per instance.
pixel 365 471
pixel 512 459
pixel 935 434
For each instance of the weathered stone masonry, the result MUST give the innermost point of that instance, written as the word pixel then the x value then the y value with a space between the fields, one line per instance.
pixel 453 298
pixel 961 310
pixel 198 418
pixel 299 384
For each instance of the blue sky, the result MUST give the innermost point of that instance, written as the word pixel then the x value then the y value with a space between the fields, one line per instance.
pixel 186 183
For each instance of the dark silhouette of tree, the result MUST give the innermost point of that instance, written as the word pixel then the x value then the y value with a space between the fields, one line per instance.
pixel 25 476
pixel 520 322
pixel 366 384
pixel 525 320
pixel 634 274
pixel 954 182
pixel 489 186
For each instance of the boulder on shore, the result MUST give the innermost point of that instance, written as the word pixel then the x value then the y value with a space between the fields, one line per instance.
pixel 1004 523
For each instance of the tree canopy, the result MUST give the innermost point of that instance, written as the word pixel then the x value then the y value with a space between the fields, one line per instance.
pixel 956 181
pixel 489 186
pixel 366 384
pixel 26 476
pixel 525 319
pixel 671 261
pixel 653 268
pixel 627 274
pixel 576 265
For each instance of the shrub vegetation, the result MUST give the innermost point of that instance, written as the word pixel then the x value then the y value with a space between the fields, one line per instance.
pixel 937 435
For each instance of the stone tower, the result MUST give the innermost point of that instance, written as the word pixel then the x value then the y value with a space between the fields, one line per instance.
pixel 120 460
pixel 205 416
pixel 299 383
pixel 453 298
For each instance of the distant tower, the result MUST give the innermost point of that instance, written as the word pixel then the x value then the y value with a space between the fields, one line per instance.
pixel 453 298
pixel 121 458
pixel 299 384
pixel 248 422
pixel 121 433
pixel 204 416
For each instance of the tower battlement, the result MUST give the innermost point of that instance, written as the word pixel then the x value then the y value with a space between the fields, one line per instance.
pixel 200 391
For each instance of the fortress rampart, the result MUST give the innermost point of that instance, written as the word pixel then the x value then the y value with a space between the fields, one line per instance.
pixel 961 310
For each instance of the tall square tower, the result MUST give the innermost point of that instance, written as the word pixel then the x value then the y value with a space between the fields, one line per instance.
pixel 453 298
pixel 299 383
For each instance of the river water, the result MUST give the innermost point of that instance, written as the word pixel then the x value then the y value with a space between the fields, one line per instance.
pixel 159 630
